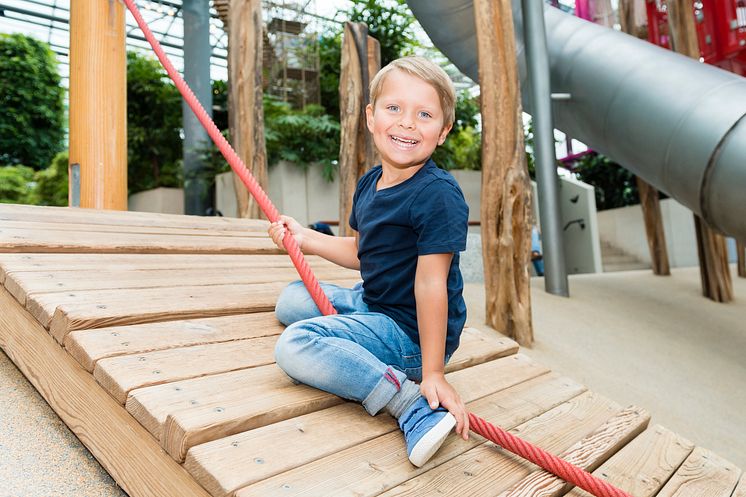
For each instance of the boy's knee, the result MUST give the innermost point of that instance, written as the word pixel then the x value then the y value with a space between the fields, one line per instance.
pixel 288 347
pixel 288 303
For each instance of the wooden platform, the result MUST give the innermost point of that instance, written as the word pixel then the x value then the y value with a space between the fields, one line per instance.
pixel 151 336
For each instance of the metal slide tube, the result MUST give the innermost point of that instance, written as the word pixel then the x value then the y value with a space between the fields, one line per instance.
pixel 671 120
pixel 547 183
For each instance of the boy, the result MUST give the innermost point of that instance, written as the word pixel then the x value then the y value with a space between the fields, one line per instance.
pixel 400 325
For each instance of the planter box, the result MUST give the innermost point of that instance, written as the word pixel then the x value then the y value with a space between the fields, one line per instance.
pixel 162 200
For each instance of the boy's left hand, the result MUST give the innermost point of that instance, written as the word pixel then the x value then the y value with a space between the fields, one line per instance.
pixel 436 389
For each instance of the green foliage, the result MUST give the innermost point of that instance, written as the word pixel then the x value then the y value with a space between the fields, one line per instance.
pixel 52 183
pixel 330 61
pixel 467 110
pixel 31 123
pixel 220 104
pixel 154 121
pixel 461 150
pixel 614 185
pixel 301 136
pixel 389 22
pixel 16 184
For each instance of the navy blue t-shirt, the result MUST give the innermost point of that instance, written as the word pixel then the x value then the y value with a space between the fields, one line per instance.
pixel 426 214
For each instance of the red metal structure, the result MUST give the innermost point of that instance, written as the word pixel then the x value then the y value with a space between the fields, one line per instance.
pixel 721 30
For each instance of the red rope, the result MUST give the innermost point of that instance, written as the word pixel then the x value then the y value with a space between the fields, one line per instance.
pixel 536 455
pixel 237 165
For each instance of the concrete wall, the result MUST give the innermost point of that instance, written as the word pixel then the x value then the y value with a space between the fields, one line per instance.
pixel 625 228
pixel 164 200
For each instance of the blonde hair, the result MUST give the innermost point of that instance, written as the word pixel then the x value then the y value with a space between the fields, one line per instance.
pixel 428 72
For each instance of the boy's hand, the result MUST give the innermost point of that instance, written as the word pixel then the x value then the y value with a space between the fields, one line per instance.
pixel 278 229
pixel 436 389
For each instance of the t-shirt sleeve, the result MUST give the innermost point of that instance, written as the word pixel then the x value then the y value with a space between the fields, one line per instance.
pixel 440 218
pixel 353 217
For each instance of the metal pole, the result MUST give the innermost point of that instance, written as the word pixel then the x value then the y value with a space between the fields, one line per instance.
pixel 198 190
pixel 537 60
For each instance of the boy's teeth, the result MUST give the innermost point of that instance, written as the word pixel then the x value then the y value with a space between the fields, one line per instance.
pixel 403 140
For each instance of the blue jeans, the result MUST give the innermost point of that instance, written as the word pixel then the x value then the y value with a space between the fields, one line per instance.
pixel 357 354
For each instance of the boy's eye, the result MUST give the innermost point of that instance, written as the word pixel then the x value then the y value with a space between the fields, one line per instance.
pixel 393 108
pixel 425 114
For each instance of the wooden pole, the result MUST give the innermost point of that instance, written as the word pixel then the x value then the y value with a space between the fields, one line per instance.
pixel 506 192
pixel 356 144
pixel 711 246
pixel 374 65
pixel 98 102
pixel 649 197
pixel 246 111
pixel 602 13
pixel 741 251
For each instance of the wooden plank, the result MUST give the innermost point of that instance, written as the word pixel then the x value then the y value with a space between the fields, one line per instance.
pixel 380 463
pixel 120 375
pixel 703 474
pixel 478 346
pixel 89 346
pixel 97 309
pixel 740 490
pixel 487 469
pixel 27 240
pixel 182 425
pixel 587 454
pixel 20 284
pixel 143 230
pixel 130 455
pixel 15 212
pixel 645 464
pixel 224 465
pixel 133 262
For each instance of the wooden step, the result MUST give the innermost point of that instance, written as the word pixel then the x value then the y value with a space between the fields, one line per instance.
pixel 487 470
pixel 181 425
pixel 645 464
pixel 382 463
pixel 90 346
pixel 587 454
pixel 740 490
pixel 144 230
pixel 704 474
pixel 32 213
pixel 374 465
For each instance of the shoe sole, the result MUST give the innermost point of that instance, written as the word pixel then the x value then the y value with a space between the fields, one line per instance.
pixel 432 440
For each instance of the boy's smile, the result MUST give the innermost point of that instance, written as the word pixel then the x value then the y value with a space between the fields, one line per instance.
pixel 407 124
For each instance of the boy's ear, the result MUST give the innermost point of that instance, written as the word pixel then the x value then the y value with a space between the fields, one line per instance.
pixel 369 117
pixel 443 133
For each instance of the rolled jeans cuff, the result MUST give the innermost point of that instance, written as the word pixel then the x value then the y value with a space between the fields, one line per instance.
pixel 388 386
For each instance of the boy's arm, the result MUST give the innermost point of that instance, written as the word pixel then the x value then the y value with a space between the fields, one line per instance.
pixel 336 249
pixel 431 295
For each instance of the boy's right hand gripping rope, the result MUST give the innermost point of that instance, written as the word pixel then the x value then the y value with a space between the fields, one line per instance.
pixel 553 464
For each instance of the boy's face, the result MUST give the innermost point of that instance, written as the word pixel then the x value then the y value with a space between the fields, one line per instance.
pixel 407 122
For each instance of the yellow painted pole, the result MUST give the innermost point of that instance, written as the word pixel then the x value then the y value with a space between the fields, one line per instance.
pixel 98 102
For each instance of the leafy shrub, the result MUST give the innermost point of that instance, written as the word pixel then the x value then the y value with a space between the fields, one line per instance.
pixel 614 185
pixel 16 184
pixel 52 182
pixel 31 123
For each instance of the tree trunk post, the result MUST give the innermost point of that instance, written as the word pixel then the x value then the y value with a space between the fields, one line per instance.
pixel 711 246
pixel 246 111
pixel 356 144
pixel 98 103
pixel 506 197
pixel 741 251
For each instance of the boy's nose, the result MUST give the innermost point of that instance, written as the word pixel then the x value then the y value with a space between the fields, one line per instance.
pixel 406 123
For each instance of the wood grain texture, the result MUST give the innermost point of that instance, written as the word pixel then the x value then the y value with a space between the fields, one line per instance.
pixel 128 453
pixel 645 464
pixel 185 429
pixel 506 190
pixel 72 228
pixel 488 470
pixel 22 283
pixel 740 490
pixel 29 240
pixel 217 464
pixel 703 474
pixel 120 375
pixel 85 310
pixel 587 454
pixel 741 258
pixel 16 212
pixel 89 346
pixel 653 218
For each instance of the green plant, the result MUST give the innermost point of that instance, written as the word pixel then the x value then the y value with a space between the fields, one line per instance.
pixel 301 136
pixel 614 185
pixel 461 150
pixel 330 60
pixel 16 184
pixel 31 123
pixel 52 182
pixel 154 121
pixel 390 23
